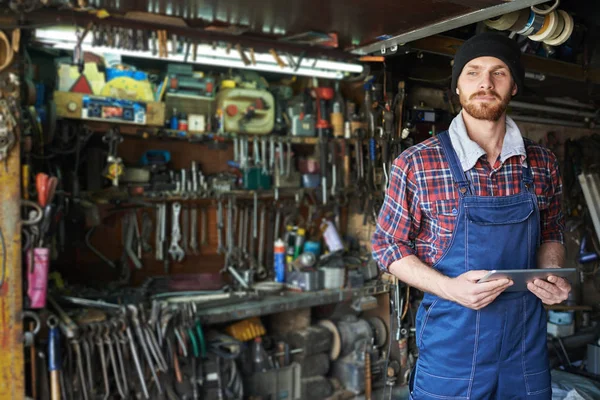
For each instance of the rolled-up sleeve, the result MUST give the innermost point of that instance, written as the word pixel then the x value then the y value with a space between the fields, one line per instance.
pixel 552 218
pixel 399 218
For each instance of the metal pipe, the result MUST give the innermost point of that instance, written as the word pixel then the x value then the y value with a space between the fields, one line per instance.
pixel 548 121
pixel 551 109
pixel 535 76
pixel 569 102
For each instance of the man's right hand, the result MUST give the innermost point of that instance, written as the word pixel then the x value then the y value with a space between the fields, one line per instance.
pixel 465 290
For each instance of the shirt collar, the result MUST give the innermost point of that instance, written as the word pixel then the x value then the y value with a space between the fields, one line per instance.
pixel 469 152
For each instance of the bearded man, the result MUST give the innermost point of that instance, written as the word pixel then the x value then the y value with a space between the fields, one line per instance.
pixel 476 198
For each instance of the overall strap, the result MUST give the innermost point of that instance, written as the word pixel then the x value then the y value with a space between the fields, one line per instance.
pixel 458 174
pixel 527 181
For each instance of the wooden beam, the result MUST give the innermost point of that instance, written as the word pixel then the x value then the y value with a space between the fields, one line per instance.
pixel 12 376
pixel 448 46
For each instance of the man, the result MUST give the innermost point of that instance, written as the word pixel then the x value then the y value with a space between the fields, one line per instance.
pixel 467 201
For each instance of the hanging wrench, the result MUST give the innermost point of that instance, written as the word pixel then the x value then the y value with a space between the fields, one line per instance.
pixel 220 248
pixel 194 230
pixel 186 228
pixel 175 250
pixel 265 164
pixel 204 230
pixel 261 271
pixel 160 231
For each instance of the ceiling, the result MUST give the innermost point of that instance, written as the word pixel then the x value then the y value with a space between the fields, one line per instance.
pixel 357 22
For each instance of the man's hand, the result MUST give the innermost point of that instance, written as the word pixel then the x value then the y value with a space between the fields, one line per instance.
pixel 465 290
pixel 553 291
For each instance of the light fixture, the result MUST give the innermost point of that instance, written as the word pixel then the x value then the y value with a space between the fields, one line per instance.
pixel 66 39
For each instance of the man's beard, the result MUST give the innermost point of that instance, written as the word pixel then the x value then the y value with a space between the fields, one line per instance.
pixel 483 110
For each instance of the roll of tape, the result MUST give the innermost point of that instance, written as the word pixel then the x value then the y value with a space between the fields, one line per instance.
pixel 528 25
pixel 566 32
pixel 6 52
pixel 548 29
pixel 560 25
pixel 538 24
pixel 521 21
pixel 504 21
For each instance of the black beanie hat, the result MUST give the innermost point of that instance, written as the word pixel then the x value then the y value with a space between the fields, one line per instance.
pixel 491 45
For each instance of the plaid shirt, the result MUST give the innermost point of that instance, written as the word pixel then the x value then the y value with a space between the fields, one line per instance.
pixel 419 211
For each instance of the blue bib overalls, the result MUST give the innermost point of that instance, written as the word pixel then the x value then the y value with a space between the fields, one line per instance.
pixel 498 352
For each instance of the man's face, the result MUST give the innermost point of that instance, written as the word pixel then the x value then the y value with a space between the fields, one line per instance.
pixel 485 87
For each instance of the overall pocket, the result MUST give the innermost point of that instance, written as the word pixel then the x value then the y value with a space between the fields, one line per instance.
pixel 448 340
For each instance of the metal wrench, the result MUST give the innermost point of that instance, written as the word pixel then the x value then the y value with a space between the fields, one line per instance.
pixel 175 250
pixel 79 359
pixel 186 228
pixel 136 359
pixel 261 270
pixel 160 233
pixel 140 334
pixel 220 248
pixel 194 230
pixel 204 230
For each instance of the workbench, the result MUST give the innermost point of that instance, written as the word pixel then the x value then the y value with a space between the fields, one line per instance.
pixel 287 301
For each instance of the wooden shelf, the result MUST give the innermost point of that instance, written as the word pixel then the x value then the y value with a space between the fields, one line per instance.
pixel 110 196
pixel 152 132
pixel 447 46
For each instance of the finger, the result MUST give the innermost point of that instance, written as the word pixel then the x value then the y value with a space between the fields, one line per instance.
pixel 562 283
pixel 488 298
pixel 475 275
pixel 547 286
pixel 540 292
pixel 486 287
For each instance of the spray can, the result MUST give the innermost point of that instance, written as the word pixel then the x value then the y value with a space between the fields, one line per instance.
pixel 279 262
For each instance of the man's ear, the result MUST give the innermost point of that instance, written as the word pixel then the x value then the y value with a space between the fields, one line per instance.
pixel 515 89
pixel 458 92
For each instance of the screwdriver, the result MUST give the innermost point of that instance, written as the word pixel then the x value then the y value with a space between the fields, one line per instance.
pixel 54 361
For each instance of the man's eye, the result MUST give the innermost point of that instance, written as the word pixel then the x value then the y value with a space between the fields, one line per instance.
pixel 500 73
pixel 472 73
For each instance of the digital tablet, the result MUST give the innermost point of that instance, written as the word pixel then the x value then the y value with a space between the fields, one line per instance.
pixel 521 277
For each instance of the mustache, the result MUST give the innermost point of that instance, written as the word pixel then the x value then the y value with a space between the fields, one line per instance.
pixel 485 93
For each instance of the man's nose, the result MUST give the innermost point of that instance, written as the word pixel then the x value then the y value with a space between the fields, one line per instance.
pixel 486 82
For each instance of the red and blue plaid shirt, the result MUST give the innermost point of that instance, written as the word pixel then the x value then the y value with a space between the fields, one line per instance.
pixel 420 207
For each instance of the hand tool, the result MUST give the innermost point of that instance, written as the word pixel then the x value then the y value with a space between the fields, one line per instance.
pixel 229 240
pixel 143 345
pixel 194 230
pixel 161 230
pixel 220 248
pixel 99 341
pixel 204 229
pixel 29 341
pixel 114 168
pixel 288 167
pixel 54 359
pixel 186 228
pixel 281 158
pixel 322 96
pixel 136 359
pixel 176 252
pixel 80 368
pixel 146 232
pixel 265 163
pixel 261 270
pixel 129 227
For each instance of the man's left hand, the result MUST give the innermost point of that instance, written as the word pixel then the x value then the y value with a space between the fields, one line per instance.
pixel 553 291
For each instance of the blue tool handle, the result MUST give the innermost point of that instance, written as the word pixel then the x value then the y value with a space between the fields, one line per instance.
pixel 372 148
pixel 54 361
